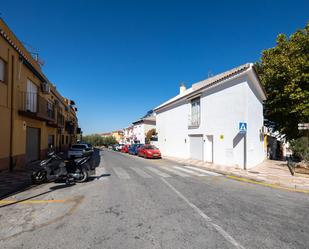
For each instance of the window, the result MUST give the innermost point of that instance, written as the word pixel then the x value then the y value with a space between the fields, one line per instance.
pixel 32 96
pixel 66 139
pixel 79 146
pixel 50 110
pixel 51 140
pixel 2 70
pixel 195 112
pixel 62 139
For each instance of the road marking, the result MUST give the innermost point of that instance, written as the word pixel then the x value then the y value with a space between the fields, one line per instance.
pixel 158 172
pixel 176 172
pixel 189 171
pixel 141 172
pixel 219 229
pixel 121 173
pixel 204 171
pixel 30 201
pixel 268 184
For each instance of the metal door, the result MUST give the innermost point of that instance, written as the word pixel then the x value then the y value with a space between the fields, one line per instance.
pixel 32 144
pixel 196 147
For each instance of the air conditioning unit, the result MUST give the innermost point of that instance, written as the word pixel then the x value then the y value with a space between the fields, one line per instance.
pixel 45 87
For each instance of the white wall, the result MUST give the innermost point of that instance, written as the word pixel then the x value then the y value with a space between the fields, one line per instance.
pixel 172 126
pixel 222 108
pixel 140 130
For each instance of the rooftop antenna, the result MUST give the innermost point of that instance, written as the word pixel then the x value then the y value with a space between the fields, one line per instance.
pixel 209 74
pixel 34 53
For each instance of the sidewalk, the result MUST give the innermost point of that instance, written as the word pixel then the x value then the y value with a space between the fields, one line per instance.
pixel 11 182
pixel 269 172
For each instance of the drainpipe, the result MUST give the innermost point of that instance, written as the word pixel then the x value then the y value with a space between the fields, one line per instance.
pixel 12 163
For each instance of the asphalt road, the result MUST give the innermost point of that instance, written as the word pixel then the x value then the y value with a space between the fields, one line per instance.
pixel 138 203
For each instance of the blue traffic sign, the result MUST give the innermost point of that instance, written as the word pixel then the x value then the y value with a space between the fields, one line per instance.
pixel 242 126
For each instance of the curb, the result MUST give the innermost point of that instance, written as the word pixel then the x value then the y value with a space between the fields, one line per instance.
pixel 249 179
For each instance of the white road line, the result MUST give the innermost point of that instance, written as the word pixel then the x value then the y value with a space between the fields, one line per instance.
pixel 189 171
pixel 141 172
pixel 219 229
pixel 176 172
pixel 158 172
pixel 121 173
pixel 204 171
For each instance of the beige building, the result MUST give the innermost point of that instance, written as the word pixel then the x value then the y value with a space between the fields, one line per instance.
pixel 33 114
pixel 118 135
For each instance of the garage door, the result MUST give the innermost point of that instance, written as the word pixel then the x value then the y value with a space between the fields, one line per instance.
pixel 196 147
pixel 32 144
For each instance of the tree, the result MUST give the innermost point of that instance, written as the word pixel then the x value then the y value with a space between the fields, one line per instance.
pixel 300 148
pixel 284 72
pixel 149 135
pixel 97 140
pixel 110 140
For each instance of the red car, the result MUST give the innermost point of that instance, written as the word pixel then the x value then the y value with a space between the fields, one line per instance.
pixel 125 148
pixel 149 151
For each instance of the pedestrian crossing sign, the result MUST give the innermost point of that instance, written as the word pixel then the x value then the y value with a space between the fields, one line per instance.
pixel 242 127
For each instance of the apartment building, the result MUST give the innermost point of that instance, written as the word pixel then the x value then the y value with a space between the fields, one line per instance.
pixel 217 120
pixel 33 114
pixel 141 127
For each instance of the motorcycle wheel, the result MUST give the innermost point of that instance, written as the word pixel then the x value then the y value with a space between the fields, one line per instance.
pixel 84 175
pixel 39 177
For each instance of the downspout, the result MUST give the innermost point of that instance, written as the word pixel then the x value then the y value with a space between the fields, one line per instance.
pixel 12 163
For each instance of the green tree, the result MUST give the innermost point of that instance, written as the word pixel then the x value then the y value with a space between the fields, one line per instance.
pixel 300 148
pixel 149 135
pixel 94 139
pixel 110 140
pixel 284 72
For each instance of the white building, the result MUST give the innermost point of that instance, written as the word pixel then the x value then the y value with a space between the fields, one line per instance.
pixel 141 127
pixel 128 135
pixel 203 122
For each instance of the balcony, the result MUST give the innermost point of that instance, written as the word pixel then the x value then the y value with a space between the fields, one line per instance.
pixel 34 106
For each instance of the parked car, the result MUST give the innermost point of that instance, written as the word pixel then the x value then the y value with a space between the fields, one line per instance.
pixel 118 147
pixel 149 151
pixel 125 148
pixel 133 149
pixel 80 150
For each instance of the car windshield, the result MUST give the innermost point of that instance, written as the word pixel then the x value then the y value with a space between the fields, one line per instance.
pixel 150 147
pixel 78 146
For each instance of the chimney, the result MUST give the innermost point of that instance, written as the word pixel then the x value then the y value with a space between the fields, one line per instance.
pixel 182 88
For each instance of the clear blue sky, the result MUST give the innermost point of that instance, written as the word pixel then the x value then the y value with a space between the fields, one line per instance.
pixel 119 59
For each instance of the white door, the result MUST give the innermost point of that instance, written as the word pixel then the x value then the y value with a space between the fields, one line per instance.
pixel 32 96
pixel 196 147
pixel 209 148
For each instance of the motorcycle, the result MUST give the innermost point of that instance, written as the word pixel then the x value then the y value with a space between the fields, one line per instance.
pixel 55 167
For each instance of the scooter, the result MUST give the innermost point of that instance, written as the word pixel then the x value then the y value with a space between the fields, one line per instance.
pixel 55 167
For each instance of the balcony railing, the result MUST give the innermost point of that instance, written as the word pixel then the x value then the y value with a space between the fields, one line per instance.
pixel 33 105
pixel 193 121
